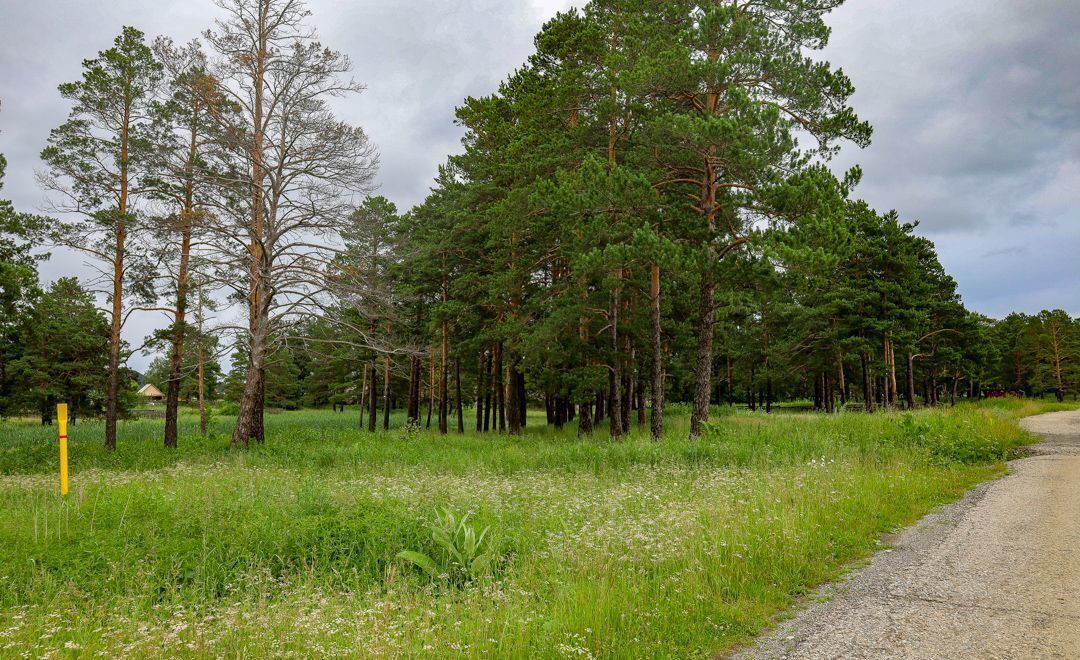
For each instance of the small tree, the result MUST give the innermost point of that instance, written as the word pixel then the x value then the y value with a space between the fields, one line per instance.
pixel 64 353
pixel 1051 341
pixel 18 284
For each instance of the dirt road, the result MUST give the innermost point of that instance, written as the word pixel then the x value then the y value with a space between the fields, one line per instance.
pixel 996 575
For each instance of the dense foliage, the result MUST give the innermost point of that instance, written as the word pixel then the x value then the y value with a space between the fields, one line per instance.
pixel 634 219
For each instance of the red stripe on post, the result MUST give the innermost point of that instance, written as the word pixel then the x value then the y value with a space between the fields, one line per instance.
pixel 63 437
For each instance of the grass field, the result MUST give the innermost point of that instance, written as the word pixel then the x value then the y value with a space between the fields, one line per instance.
pixel 673 549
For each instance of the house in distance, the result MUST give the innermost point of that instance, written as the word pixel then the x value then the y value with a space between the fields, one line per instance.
pixel 151 394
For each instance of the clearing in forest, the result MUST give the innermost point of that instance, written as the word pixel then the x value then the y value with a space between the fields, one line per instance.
pixel 673 549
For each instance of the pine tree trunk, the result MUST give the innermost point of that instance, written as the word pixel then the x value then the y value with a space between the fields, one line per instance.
pixel 523 399
pixel 413 413
pixel 751 395
pixel 187 221
pixel 892 372
pixel 585 423
pixel 1059 391
pixel 730 381
pixel 628 381
pixel 480 392
pixel 627 402
pixel 373 410
pixel 656 424
pixel 489 381
pixel 868 386
pixel 640 403
pixel 444 408
pixel 585 420
pixel 513 402
pixel 201 353
pixel 361 401
pixel 615 372
pixel 500 389
pixel 250 400
pixel 176 356
pixel 909 383
pixel 703 364
pixel 249 422
pixel 842 381
pixel 886 395
pixel 259 431
pixel 457 386
pixel 112 388
pixel 386 392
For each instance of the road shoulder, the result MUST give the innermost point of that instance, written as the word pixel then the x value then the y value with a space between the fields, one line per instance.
pixel 995 574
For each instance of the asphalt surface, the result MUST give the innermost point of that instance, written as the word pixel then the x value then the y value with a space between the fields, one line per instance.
pixel 995 575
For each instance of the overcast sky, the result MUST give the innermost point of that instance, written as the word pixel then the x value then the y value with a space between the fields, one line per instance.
pixel 975 106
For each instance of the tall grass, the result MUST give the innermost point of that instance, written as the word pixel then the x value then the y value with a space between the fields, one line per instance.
pixel 670 549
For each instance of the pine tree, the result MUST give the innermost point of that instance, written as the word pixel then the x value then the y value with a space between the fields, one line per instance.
pixel 737 86
pixel 98 161
pixel 18 284
pixel 187 129
pixel 1051 340
pixel 304 168
pixel 64 356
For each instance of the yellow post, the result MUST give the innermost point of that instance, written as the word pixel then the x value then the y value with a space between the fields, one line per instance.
pixel 61 418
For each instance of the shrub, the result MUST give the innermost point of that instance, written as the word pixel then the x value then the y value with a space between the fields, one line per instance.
pixel 229 409
pixel 464 555
pixel 965 436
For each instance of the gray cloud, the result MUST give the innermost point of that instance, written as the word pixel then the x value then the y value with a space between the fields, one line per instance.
pixel 418 60
pixel 976 108
pixel 1006 251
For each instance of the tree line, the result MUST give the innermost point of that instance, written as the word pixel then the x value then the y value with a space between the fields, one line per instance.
pixel 641 213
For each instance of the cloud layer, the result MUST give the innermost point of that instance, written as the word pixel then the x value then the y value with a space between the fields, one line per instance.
pixel 976 109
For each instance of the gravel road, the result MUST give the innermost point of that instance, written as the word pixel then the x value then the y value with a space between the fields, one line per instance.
pixel 996 575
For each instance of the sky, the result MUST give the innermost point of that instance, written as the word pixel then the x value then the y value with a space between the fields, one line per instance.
pixel 975 106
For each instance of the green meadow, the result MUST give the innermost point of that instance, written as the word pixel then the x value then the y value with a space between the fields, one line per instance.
pixel 593 549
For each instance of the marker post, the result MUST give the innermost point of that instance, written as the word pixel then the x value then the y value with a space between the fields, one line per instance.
pixel 62 419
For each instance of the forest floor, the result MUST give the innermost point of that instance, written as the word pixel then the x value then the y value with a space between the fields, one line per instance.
pixel 599 550
pixel 995 575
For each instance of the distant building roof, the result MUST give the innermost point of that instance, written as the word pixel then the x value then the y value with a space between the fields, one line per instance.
pixel 150 391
